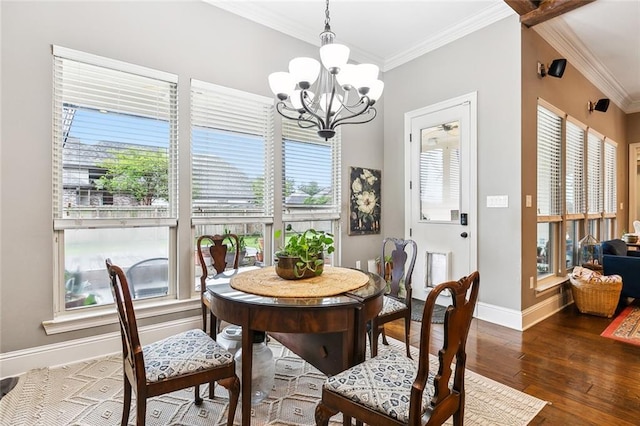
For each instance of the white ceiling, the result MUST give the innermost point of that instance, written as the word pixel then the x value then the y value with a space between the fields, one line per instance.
pixel 600 39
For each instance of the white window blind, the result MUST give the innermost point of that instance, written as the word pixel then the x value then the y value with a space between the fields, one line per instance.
pixel 115 139
pixel 432 176
pixel 574 178
pixel 231 152
pixel 610 181
pixel 549 163
pixel 311 174
pixel 595 195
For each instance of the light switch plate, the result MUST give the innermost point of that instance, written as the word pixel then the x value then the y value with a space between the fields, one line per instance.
pixel 498 201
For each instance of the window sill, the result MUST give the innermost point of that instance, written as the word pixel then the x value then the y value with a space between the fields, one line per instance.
pixel 107 315
pixel 549 284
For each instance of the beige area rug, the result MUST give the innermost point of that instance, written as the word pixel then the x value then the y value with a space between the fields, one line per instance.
pixel 90 393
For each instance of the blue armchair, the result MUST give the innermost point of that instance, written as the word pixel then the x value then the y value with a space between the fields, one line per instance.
pixel 616 259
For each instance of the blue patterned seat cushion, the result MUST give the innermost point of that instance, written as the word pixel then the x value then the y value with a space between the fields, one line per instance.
pixel 181 354
pixel 382 384
pixel 390 305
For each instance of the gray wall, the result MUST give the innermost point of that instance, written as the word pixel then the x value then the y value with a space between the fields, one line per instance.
pixel 190 39
pixel 487 61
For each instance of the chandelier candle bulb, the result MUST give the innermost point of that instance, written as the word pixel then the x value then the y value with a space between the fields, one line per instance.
pixel 304 71
pixel 334 56
pixel 281 84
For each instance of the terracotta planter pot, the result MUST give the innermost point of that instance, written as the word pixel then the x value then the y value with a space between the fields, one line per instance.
pixel 286 268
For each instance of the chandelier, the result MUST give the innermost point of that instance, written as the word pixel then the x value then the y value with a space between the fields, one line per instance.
pixel 330 95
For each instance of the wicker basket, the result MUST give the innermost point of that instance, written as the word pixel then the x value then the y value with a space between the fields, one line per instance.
pixel 593 296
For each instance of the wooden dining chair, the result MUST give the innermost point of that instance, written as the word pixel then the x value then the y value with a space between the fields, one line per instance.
pixel 177 362
pixel 214 248
pixel 397 301
pixel 392 389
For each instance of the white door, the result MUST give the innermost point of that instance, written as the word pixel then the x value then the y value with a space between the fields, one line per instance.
pixel 440 164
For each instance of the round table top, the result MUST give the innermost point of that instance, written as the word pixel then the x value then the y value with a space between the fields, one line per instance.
pixel 333 281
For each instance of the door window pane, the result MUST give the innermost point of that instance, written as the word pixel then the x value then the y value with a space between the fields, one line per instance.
pixel 440 172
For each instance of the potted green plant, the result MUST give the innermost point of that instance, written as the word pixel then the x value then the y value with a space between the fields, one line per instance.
pixel 303 255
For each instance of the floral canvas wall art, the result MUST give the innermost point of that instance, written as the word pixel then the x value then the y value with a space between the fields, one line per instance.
pixel 364 203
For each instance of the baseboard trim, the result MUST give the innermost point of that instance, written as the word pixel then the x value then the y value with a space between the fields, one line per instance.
pixel 522 320
pixel 499 315
pixel 543 310
pixel 18 362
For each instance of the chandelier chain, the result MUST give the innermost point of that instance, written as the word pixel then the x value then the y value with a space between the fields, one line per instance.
pixel 327 19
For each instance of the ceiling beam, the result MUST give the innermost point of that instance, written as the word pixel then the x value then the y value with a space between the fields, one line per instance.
pixel 522 7
pixel 534 12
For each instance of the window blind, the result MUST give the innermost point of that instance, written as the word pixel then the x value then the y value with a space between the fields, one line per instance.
pixel 610 179
pixel 115 139
pixel 231 152
pixel 594 174
pixel 549 163
pixel 432 176
pixel 574 177
pixel 311 174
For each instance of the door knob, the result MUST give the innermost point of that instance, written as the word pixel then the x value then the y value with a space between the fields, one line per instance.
pixel 464 235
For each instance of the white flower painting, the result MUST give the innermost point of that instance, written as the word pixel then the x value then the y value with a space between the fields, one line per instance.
pixel 364 215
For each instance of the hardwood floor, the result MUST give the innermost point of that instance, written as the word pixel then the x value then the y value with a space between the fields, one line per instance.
pixel 587 379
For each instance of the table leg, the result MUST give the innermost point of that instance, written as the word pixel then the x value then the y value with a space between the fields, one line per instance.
pixel 360 338
pixel 247 359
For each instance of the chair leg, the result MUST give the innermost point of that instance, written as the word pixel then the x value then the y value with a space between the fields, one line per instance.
pixel 232 384
pixel 141 410
pixel 374 339
pixel 214 325
pixel 197 397
pixel 407 328
pixel 204 317
pixel 458 416
pixel 384 336
pixel 212 390
pixel 127 403
pixel 324 413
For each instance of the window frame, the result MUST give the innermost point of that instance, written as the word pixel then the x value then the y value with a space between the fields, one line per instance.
pixel 205 97
pixel 61 125
pixel 598 223
pixel 293 133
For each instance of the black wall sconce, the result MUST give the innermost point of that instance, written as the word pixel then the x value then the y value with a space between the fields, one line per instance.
pixel 555 69
pixel 602 105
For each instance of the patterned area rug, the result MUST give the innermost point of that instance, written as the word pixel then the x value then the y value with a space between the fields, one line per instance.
pixel 90 393
pixel 417 307
pixel 626 326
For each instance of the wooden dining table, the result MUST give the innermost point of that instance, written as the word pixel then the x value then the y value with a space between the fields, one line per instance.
pixel 328 332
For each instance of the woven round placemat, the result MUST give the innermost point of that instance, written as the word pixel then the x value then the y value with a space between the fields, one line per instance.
pixel 265 282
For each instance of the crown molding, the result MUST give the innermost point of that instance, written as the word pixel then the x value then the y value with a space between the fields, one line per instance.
pixel 487 17
pixel 264 16
pixel 558 34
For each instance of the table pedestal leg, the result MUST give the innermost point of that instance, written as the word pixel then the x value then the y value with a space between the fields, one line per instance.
pixel 247 359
